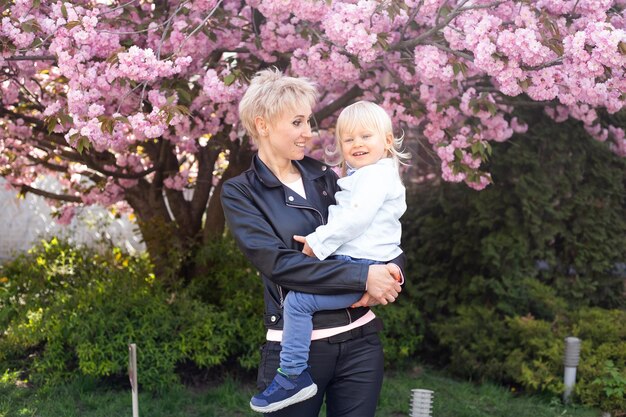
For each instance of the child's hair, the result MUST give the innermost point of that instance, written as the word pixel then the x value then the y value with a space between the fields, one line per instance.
pixel 270 94
pixel 371 116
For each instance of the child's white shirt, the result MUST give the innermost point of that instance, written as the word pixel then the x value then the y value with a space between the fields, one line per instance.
pixel 365 221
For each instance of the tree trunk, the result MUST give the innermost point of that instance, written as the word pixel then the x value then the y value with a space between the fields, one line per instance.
pixel 239 161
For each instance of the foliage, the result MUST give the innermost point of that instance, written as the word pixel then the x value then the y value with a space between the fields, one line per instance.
pixel 554 218
pixel 232 285
pixel 502 276
pixel 528 352
pixel 69 312
pixel 135 103
pixel 403 331
pixel 612 382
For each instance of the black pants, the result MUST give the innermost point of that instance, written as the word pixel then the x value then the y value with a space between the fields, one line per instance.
pixel 347 368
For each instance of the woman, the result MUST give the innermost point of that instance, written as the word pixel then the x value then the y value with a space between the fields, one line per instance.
pixel 284 194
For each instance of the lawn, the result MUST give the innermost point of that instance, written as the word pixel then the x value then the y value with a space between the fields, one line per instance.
pixel 230 398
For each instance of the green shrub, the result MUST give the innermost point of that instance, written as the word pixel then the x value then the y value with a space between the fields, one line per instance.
pixel 232 285
pixel 528 352
pixel 403 331
pixel 503 275
pixel 69 311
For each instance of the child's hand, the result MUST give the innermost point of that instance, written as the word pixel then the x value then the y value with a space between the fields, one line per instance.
pixel 307 249
pixel 365 301
pixel 394 270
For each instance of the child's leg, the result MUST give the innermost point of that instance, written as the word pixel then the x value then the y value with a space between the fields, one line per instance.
pixel 298 315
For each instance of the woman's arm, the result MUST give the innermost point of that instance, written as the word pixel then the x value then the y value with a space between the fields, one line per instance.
pixel 286 266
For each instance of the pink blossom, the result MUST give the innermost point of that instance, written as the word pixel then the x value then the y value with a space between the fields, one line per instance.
pixel 66 216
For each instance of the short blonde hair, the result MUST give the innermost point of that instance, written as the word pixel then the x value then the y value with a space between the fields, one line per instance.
pixel 270 94
pixel 371 116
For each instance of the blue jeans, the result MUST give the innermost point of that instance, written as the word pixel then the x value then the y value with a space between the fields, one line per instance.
pixel 298 310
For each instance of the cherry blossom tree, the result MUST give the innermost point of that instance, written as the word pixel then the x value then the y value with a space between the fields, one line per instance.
pixel 133 103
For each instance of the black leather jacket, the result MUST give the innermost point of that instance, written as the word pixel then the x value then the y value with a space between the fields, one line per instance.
pixel 263 215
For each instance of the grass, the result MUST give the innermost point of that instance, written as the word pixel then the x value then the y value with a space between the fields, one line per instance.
pixel 453 398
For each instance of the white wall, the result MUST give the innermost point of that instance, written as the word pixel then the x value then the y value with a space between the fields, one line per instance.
pixel 23 222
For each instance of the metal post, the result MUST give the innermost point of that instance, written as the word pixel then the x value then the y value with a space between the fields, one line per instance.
pixel 132 374
pixel 421 403
pixel 570 360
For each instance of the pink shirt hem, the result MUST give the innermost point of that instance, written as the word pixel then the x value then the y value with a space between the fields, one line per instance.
pixel 277 335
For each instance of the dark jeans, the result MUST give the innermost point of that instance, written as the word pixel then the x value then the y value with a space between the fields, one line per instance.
pixel 347 368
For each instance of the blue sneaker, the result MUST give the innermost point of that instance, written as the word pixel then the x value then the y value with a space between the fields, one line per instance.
pixel 284 391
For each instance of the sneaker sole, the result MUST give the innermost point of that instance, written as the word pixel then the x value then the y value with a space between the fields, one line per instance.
pixel 302 395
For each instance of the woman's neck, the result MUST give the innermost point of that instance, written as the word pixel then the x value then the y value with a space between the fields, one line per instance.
pixel 284 169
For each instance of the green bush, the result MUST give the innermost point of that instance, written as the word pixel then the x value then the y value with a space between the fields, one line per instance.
pixel 68 311
pixel 232 285
pixel 403 331
pixel 501 276
pixel 528 352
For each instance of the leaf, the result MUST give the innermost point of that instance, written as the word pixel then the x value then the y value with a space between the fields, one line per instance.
pixel 184 110
pixel 473 104
pixel 229 79
pixel 31 26
pixel 83 143
pixel 64 11
pixel 51 122
pixel 382 40
pixel 107 124
pixel 72 24
pixel 184 95
pixel 65 118
pixel 491 108
pixel 456 68
pixel 622 48
pixel 555 45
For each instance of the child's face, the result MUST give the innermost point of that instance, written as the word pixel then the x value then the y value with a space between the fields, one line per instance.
pixel 364 147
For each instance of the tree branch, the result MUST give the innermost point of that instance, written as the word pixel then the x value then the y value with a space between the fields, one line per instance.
pixel 453 52
pixel 206 19
pixel 557 61
pixel 450 17
pixel 416 41
pixel 341 102
pixel 24 189
pixel 32 58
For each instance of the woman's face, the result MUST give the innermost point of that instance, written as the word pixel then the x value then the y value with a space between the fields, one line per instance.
pixel 287 134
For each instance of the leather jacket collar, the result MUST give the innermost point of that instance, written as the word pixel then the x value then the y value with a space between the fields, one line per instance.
pixel 310 169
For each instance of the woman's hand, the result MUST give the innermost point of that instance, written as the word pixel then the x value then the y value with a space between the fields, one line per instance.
pixel 307 249
pixel 381 284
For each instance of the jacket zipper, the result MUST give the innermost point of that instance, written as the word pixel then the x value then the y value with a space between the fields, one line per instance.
pixel 280 295
pixel 323 220
pixel 280 289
